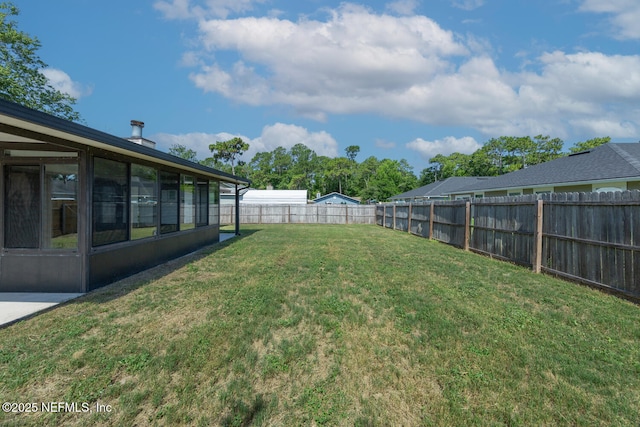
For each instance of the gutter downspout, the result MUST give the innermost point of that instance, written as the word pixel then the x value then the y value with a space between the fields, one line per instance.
pixel 237 221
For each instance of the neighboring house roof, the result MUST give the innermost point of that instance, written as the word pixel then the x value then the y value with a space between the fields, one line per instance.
pixel 24 125
pixel 336 197
pixel 607 162
pixel 440 189
pixel 275 196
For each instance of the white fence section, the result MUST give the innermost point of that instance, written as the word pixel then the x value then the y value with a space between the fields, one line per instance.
pixel 299 214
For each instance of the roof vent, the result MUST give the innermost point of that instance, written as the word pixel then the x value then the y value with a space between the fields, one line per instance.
pixel 136 128
pixel 579 153
pixel 136 135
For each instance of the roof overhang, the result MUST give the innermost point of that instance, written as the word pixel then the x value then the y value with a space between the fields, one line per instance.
pixel 24 125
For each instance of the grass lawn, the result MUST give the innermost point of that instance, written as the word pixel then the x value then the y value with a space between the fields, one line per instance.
pixel 332 325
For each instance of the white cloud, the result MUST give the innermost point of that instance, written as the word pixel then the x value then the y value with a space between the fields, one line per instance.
pixel 582 90
pixel 272 136
pixel 284 135
pixel 61 81
pixel 185 9
pixel 467 4
pixel 606 126
pixel 175 9
pixel 445 146
pixel 387 145
pixel 403 7
pixel 359 62
pixel 343 65
pixel 625 15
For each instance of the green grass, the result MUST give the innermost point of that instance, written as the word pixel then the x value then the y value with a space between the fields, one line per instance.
pixel 332 325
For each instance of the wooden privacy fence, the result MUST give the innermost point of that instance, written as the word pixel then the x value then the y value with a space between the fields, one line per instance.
pixel 592 238
pixel 299 214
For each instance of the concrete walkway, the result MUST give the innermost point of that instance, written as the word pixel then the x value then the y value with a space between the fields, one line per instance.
pixel 18 305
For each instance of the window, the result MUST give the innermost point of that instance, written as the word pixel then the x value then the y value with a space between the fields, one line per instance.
pixel 60 216
pixel 144 202
pixel 110 202
pixel 187 203
pixel 608 189
pixel 214 203
pixel 169 192
pixel 41 214
pixel 202 202
pixel 22 207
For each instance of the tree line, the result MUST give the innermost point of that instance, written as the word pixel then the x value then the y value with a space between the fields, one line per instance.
pixel 300 168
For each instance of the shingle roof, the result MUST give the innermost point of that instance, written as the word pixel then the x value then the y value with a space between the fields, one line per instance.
pixel 336 194
pixel 608 161
pixel 18 120
pixel 440 188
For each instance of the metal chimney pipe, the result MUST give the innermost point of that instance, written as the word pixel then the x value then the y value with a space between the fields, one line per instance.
pixel 136 128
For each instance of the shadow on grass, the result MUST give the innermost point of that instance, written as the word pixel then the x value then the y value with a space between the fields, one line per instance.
pixel 129 284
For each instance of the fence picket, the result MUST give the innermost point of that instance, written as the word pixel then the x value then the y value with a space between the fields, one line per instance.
pixel 589 237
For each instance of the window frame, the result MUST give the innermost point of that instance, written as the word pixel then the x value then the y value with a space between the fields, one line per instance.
pixel 44 220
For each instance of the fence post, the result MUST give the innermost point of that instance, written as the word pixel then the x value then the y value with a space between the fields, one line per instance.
pixel 537 240
pixel 346 214
pixel 394 216
pixel 289 216
pixel 409 219
pixel 467 224
pixel 431 212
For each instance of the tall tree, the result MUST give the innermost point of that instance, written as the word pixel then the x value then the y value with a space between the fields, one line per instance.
pixel 455 164
pixel 229 151
pixel 303 169
pixel 180 150
pixel 547 148
pixel 392 177
pixel 261 167
pixel 352 151
pixel 365 173
pixel 339 170
pixel 589 144
pixel 21 77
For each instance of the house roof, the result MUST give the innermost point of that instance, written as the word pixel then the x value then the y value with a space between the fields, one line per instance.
pixel 440 188
pixel 336 194
pixel 23 125
pixel 606 162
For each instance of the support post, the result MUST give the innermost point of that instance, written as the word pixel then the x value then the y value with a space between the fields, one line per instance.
pixel 237 211
pixel 537 239
pixel 409 219
pixel 467 225
pixel 394 216
pixel 384 216
pixel 431 212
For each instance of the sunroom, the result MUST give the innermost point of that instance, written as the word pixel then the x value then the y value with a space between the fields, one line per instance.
pixel 80 208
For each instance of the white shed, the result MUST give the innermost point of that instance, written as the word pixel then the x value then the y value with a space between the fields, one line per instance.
pixel 275 197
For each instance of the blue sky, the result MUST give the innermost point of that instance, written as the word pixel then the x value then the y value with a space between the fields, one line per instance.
pixel 402 79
